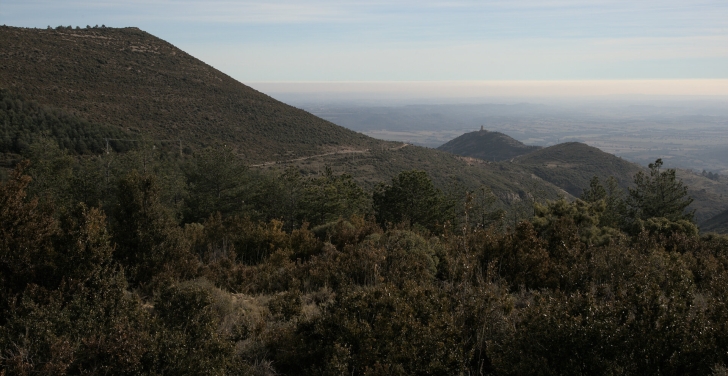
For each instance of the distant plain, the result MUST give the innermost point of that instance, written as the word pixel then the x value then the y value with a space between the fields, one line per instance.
pixel 687 133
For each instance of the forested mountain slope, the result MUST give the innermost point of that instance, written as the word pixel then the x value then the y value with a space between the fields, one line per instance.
pixel 139 83
pixel 80 86
pixel 511 183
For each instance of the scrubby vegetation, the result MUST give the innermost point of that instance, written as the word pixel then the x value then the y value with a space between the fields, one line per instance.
pixel 80 86
pixel 26 122
pixel 148 260
pixel 131 81
pixel 202 266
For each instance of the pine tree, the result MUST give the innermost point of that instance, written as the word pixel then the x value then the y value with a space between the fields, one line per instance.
pixel 612 195
pixel 595 192
pixel 411 197
pixel 659 194
pixel 216 182
pixel 149 243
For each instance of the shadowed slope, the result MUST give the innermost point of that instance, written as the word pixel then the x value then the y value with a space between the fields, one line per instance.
pixel 718 224
pixel 710 198
pixel 571 165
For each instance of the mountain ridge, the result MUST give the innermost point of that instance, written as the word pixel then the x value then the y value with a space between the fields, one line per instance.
pixel 133 80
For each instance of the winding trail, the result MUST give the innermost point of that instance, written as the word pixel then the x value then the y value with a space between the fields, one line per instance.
pixel 323 155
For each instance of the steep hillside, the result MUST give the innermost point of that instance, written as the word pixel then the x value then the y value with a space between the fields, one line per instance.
pixel 718 224
pixel 139 83
pixel 509 182
pixel 710 196
pixel 489 146
pixel 571 165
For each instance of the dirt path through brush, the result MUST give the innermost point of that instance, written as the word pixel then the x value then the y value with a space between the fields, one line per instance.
pixel 323 155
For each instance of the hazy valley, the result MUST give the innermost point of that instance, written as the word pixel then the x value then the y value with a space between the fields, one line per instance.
pixel 688 134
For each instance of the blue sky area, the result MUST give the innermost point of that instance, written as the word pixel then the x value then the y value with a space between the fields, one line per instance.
pixel 424 40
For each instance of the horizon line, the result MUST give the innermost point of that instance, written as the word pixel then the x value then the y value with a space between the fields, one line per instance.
pixel 501 88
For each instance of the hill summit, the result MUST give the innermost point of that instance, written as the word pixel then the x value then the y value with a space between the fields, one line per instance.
pixel 571 165
pixel 487 145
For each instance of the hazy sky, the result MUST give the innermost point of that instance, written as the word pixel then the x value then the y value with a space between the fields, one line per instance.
pixel 423 40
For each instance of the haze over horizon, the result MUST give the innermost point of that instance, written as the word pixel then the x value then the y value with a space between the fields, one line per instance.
pixel 461 49
pixel 394 93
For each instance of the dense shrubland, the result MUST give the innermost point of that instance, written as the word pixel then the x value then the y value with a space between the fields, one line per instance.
pixel 27 122
pixel 143 263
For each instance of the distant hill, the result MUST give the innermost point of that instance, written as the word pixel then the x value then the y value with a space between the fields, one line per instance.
pixel 489 146
pixel 132 80
pixel 571 166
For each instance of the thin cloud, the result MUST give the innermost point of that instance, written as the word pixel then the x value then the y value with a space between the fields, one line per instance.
pixel 342 11
pixel 501 88
pixel 242 12
pixel 424 39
